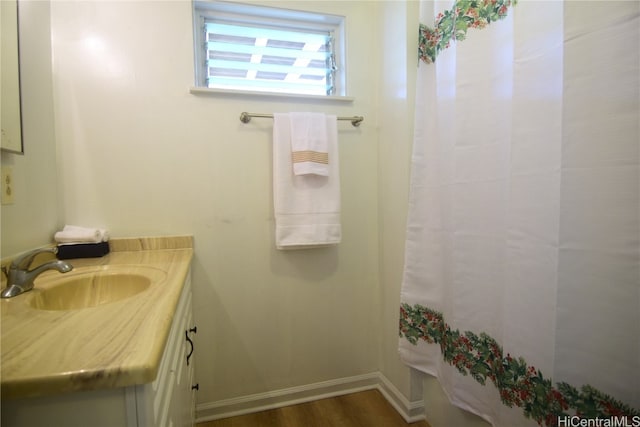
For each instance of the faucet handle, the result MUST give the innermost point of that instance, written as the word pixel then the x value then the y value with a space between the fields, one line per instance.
pixel 24 261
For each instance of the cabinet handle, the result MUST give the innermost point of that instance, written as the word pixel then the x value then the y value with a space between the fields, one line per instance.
pixel 186 336
pixel 195 387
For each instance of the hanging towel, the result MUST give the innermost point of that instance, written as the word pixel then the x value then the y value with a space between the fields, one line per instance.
pixel 309 144
pixel 307 207
pixel 77 234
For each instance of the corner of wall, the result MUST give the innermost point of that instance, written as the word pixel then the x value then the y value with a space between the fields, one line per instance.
pixel 439 411
pixel 396 96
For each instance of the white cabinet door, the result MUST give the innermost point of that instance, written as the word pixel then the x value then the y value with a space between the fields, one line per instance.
pixel 169 400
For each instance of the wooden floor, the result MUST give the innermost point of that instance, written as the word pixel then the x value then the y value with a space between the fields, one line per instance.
pixel 364 409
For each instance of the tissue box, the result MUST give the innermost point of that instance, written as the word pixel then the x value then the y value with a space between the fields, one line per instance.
pixel 83 250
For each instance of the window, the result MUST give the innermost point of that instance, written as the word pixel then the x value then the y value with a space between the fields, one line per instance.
pixel 263 49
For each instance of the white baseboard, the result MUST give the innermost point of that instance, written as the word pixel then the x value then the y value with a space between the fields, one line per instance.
pixel 410 411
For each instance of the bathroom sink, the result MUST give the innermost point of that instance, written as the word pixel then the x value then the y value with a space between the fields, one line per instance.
pixel 92 288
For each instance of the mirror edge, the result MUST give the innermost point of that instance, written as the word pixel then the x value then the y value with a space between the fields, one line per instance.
pixel 20 124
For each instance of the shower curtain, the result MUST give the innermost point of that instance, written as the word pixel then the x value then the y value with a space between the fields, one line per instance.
pixel 521 289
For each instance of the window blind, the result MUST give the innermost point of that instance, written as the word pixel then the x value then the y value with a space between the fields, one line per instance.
pixel 269 59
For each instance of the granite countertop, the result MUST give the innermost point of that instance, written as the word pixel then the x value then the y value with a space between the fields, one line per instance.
pixel 118 344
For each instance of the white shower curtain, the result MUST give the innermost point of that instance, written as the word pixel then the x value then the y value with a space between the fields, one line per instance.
pixel 521 290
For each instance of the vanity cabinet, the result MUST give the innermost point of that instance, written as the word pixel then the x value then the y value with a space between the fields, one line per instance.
pixel 168 401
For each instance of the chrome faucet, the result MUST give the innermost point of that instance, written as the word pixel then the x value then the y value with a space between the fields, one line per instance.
pixel 20 278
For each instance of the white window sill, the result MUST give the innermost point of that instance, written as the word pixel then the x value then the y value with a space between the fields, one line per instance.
pixel 209 91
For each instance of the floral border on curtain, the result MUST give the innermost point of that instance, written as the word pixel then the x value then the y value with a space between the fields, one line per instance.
pixel 519 384
pixel 453 24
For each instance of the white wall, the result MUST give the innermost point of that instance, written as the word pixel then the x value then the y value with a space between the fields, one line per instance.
pixel 398 23
pixel 141 155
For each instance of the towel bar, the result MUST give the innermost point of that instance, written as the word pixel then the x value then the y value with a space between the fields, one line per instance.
pixel 246 118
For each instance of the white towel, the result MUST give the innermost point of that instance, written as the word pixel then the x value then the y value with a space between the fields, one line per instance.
pixel 309 144
pixel 307 207
pixel 77 234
